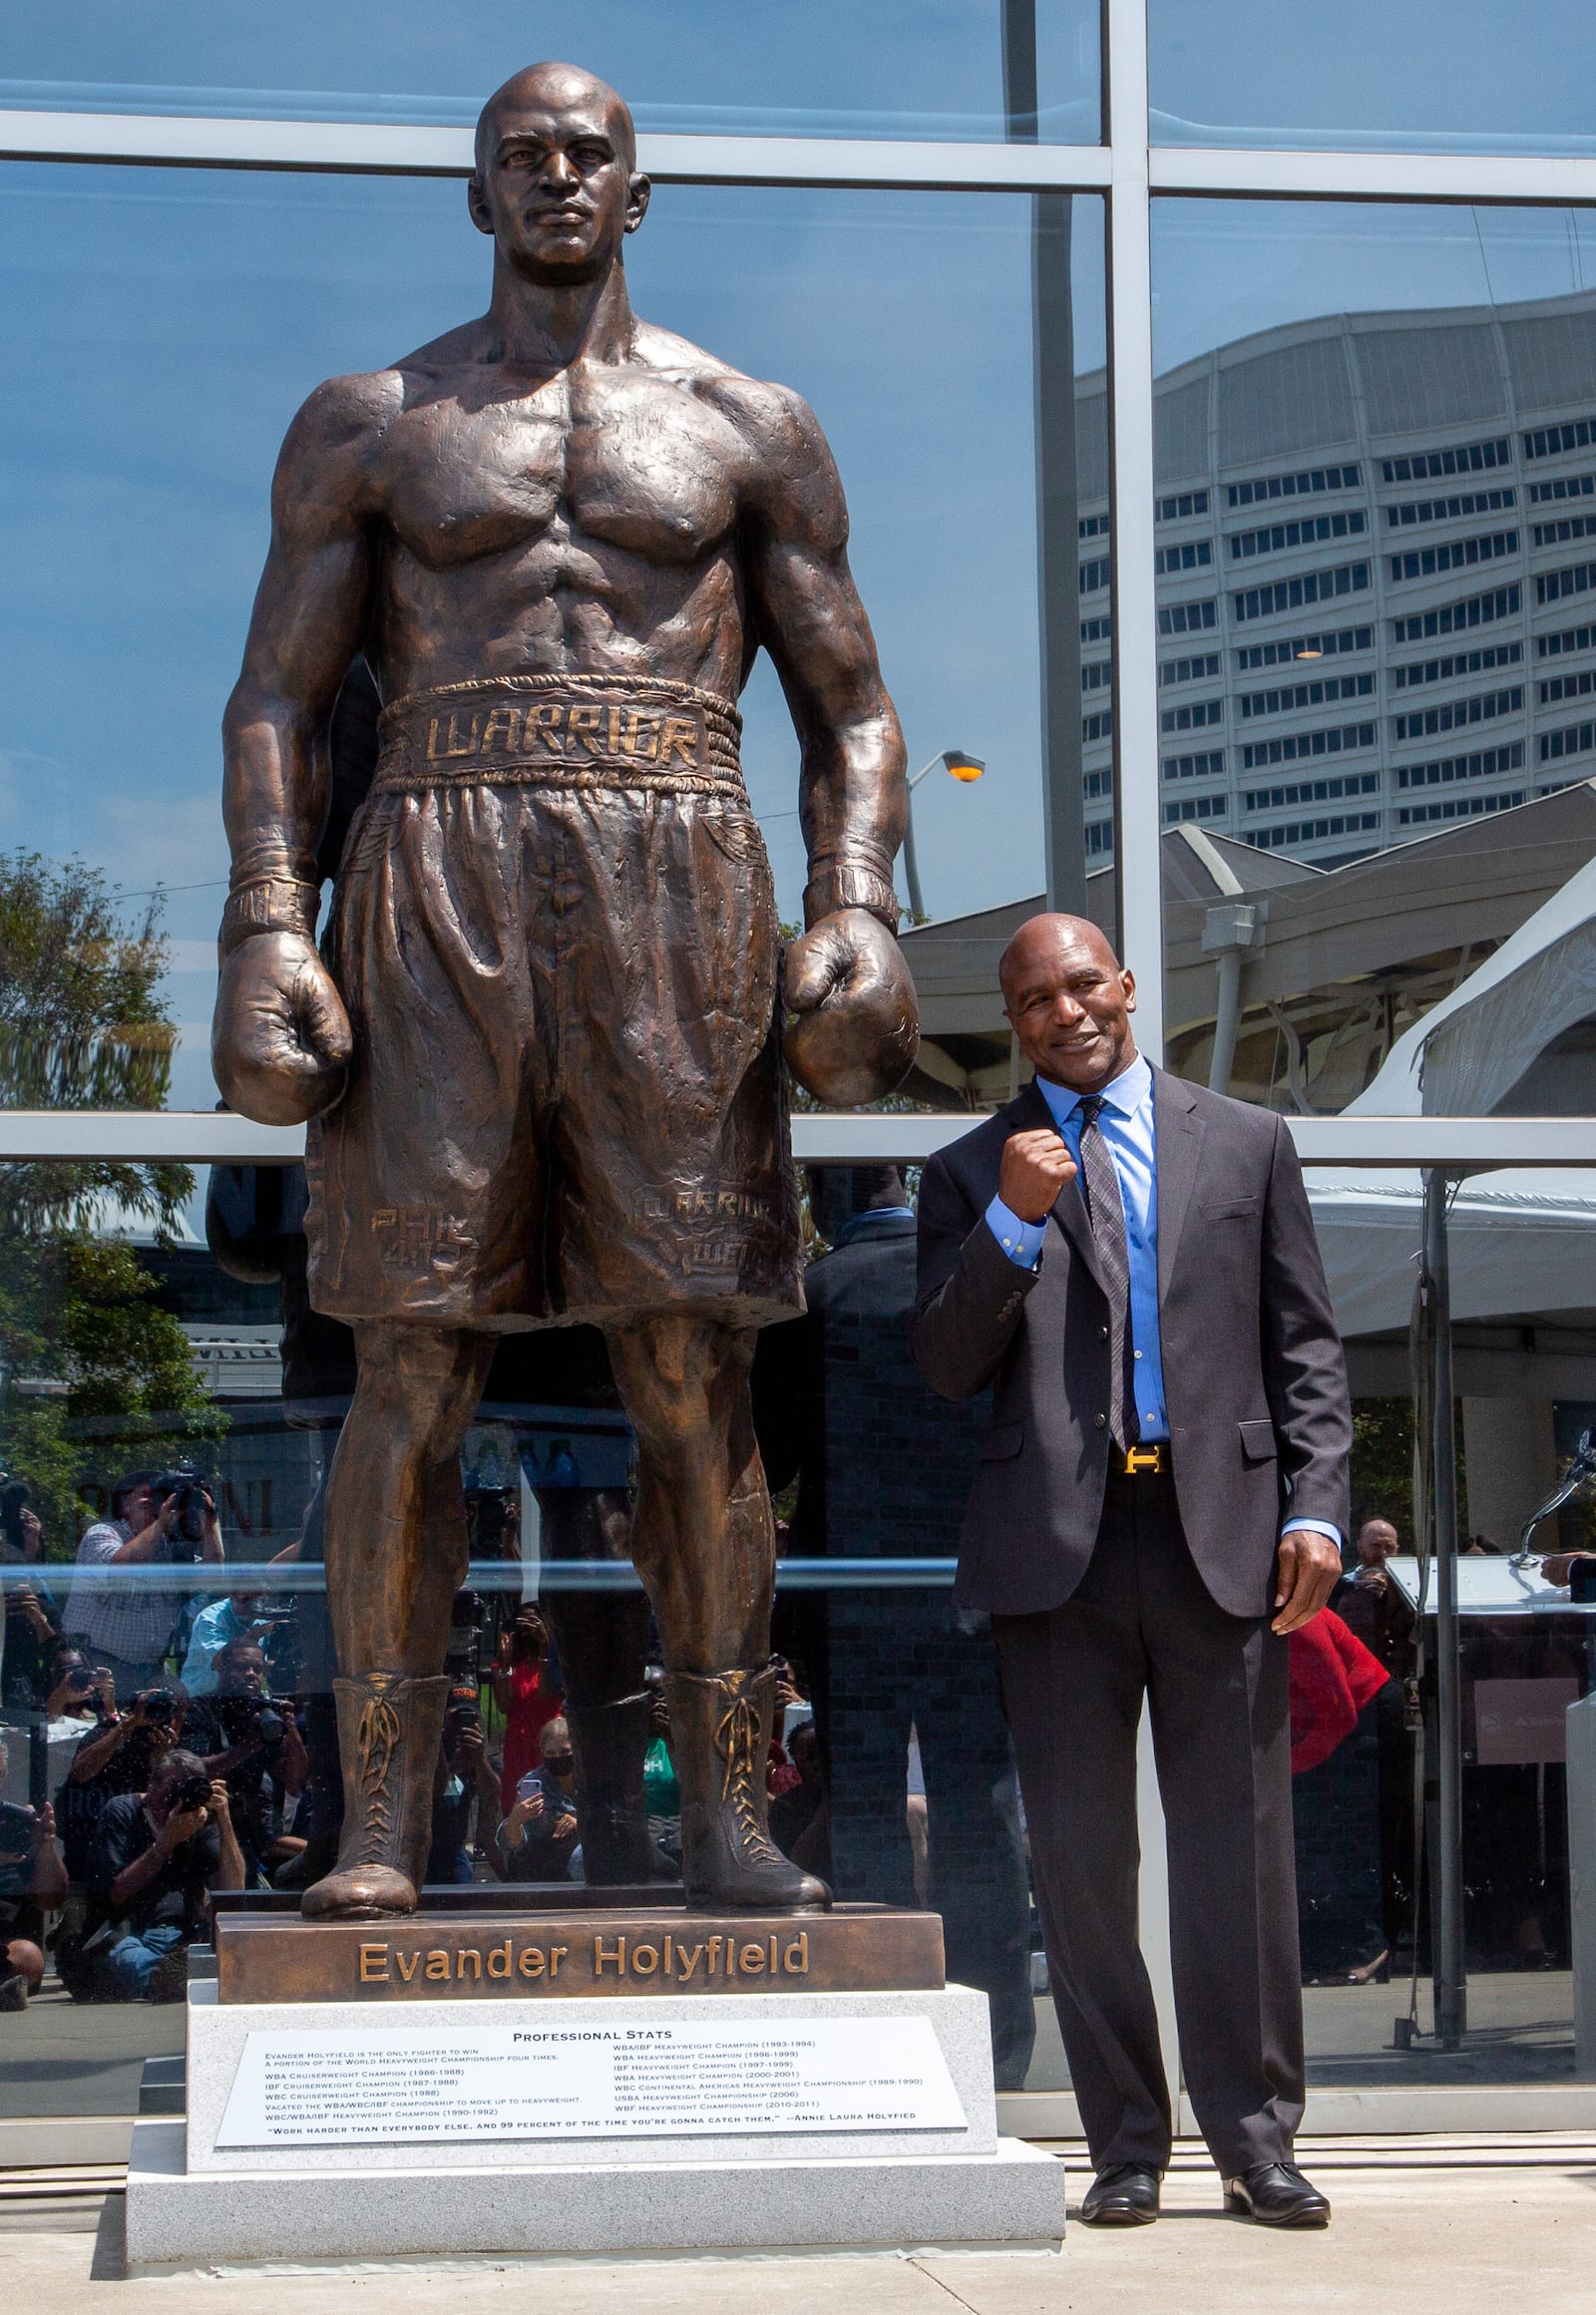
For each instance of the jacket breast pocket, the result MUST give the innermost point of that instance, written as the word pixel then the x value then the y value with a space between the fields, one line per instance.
pixel 1002 1442
pixel 1231 1210
pixel 1258 1439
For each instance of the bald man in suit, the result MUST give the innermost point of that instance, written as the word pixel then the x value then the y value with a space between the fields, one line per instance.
pixel 1130 1262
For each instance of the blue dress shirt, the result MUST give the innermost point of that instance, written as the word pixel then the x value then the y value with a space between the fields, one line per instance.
pixel 1126 1124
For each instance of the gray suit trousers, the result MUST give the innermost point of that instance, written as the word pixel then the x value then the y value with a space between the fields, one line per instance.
pixel 1143 1623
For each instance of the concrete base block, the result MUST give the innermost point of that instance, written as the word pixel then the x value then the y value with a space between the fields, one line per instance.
pixel 325 2213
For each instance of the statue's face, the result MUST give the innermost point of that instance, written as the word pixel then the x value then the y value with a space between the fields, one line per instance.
pixel 557 190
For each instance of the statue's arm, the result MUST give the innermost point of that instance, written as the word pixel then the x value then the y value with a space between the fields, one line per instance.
pixel 852 798
pixel 280 1041
pixel 854 1028
pixel 309 619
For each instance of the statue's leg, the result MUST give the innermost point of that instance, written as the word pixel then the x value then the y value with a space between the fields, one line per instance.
pixel 704 1544
pixel 396 1556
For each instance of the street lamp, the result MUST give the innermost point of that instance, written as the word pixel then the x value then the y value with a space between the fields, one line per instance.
pixel 960 765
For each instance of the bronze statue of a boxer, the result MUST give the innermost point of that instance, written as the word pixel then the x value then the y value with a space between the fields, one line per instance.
pixel 542 1046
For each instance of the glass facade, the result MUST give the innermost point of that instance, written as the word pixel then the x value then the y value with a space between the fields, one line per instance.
pixel 223 297
pixel 1278 655
pixel 822 67
pixel 1432 77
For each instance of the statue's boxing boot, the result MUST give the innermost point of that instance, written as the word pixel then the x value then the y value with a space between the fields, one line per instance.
pixel 611 1742
pixel 720 1740
pixel 389 1730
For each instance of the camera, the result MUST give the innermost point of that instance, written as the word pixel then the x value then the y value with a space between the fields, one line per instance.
pixel 16 1829
pixel 193 1793
pixel 159 1705
pixel 195 1500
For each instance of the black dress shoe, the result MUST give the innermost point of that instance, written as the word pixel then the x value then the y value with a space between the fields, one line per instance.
pixel 1126 2194
pixel 1277 2194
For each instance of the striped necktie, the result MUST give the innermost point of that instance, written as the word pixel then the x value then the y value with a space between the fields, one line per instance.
pixel 1106 1214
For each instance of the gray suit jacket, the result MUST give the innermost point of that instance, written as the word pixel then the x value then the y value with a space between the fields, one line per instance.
pixel 1254 1378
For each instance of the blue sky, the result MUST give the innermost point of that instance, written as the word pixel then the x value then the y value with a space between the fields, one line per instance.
pixel 1452 75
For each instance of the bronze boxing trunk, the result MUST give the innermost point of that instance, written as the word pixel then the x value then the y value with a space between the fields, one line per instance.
pixel 556 936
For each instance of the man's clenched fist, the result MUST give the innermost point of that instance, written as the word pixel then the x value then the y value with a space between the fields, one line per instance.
pixel 856 1025
pixel 279 1041
pixel 1036 1165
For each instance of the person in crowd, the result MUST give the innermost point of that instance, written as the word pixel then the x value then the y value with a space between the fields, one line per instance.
pixel 237 1616
pixel 120 1755
pixel 1377 1542
pixel 539 1837
pixel 158 1856
pixel 128 1626
pixel 255 1747
pixel 1129 1261
pixel 1335 1767
pixel 31 1629
pixel 467 1785
pixel 1373 1607
pixel 800 1816
pixel 75 1690
pixel 883 1466
pixel 662 1789
pixel 526 1695
pixel 33 1883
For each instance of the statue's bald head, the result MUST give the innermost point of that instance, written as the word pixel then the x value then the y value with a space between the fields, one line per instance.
pixel 1069 1000
pixel 543 89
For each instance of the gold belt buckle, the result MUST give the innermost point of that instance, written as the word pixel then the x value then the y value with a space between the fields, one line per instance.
pixel 1149 1458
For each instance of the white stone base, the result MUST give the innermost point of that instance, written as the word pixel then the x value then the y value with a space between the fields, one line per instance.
pixel 1013 2196
pixel 194 2203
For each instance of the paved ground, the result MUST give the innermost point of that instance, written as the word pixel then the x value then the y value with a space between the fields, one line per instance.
pixel 1432 2229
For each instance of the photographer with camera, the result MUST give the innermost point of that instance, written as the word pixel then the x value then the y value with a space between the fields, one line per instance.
pixel 253 1746
pixel 118 1755
pixel 31 1630
pixel 466 1781
pixel 75 1690
pixel 540 1836
pixel 33 1883
pixel 157 1518
pixel 157 1857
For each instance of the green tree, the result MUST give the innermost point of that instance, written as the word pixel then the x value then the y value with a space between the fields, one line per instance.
pixel 93 1372
pixel 82 1025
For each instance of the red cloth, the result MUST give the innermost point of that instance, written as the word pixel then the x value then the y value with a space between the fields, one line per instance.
pixel 1333 1677
pixel 532 1704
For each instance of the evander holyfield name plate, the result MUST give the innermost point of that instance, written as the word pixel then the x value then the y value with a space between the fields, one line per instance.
pixel 475 2079
pixel 481 1956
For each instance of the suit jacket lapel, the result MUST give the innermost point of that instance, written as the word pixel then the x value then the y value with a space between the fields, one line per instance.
pixel 1178 1143
pixel 1027 1112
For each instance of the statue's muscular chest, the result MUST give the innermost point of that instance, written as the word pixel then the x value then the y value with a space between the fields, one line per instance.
pixel 637 466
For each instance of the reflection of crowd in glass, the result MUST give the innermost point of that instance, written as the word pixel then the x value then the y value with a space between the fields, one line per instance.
pixel 196 1765
pixel 191 1743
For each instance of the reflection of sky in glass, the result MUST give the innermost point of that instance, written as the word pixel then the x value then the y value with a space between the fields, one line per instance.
pixel 1223 269
pixel 905 68
pixel 1446 75
pixel 170 322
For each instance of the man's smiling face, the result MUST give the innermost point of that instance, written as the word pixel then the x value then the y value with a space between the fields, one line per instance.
pixel 1070 1002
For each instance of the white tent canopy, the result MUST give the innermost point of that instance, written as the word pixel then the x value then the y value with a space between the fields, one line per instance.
pixel 1469 1051
pixel 1520 1242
